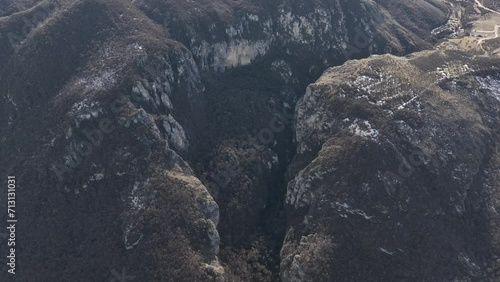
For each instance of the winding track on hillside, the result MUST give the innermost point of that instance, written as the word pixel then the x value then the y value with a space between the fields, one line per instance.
pixel 486 8
pixel 495 30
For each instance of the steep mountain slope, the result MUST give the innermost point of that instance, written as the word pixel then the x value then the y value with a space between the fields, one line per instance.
pixel 154 135
pixel 397 171
pixel 86 159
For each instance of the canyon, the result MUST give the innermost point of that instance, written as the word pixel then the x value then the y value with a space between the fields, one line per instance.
pixel 284 140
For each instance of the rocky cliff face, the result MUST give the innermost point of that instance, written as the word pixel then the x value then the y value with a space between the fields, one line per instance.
pixel 159 137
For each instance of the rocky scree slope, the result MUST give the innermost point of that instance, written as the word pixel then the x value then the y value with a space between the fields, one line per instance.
pixel 133 127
